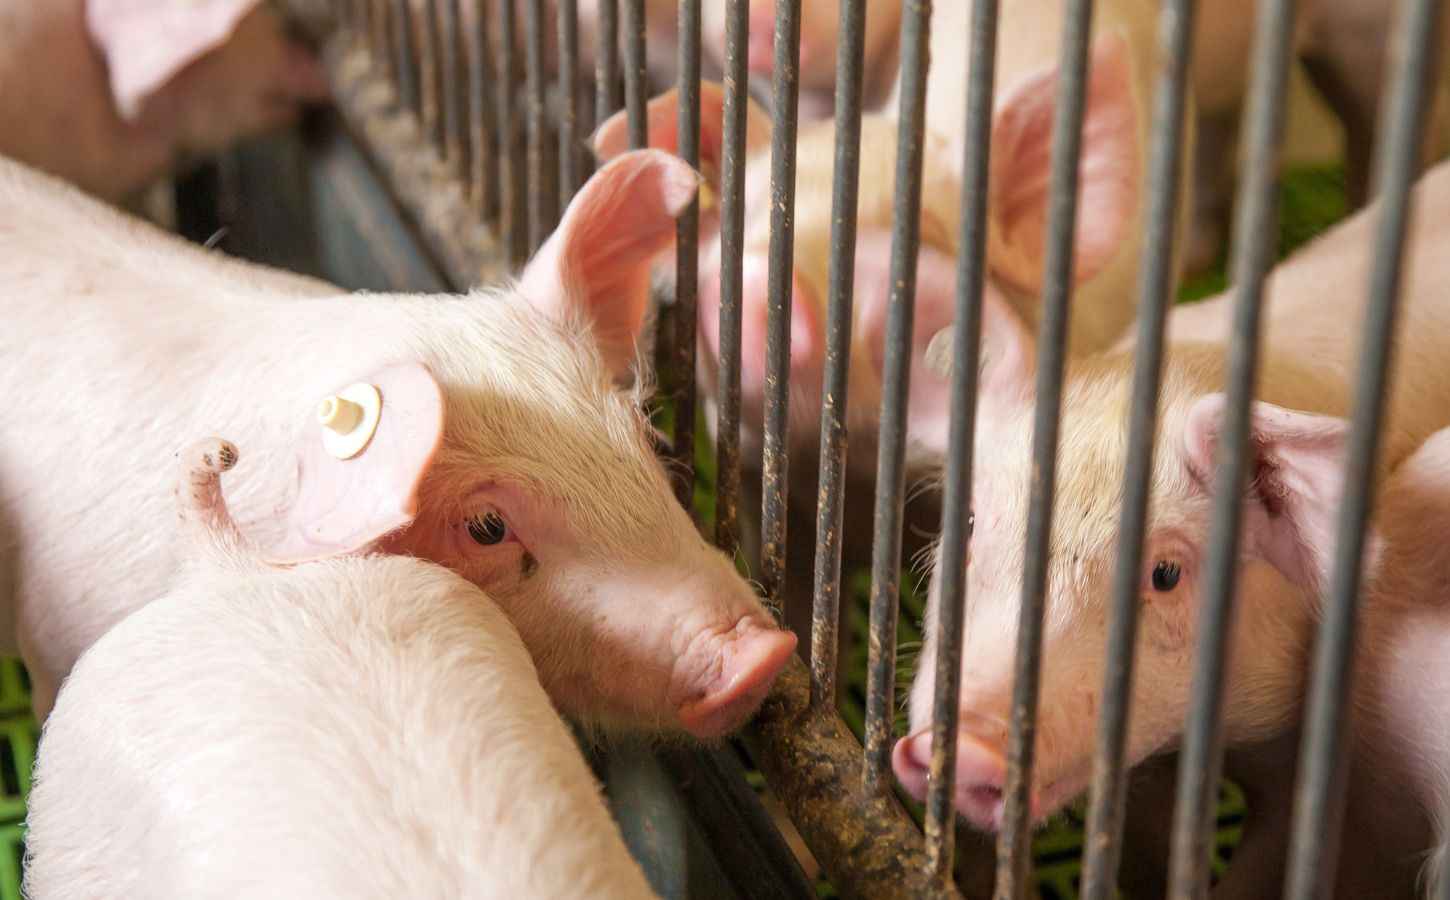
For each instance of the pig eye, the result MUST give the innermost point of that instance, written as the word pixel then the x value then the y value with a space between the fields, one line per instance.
pixel 1165 575
pixel 488 529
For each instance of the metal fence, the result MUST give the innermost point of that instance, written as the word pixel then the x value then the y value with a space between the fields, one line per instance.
pixel 485 161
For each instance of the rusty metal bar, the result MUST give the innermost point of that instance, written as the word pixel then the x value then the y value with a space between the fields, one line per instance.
pixel 1323 755
pixel 379 37
pixel 1101 846
pixel 484 178
pixel 895 380
pixel 846 175
pixel 429 75
pixel 513 221
pixel 534 52
pixel 687 257
pixel 774 486
pixel 405 69
pixel 1014 845
pixel 453 75
pixel 1255 230
pixel 864 840
pixel 635 73
pixel 606 62
pixel 732 251
pixel 957 517
pixel 570 143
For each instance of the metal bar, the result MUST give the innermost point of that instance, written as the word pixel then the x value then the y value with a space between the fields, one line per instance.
pixel 511 206
pixel 635 74
pixel 732 253
pixel 534 52
pixel 826 616
pixel 957 500
pixel 1319 799
pixel 1155 292
pixel 864 841
pixel 606 62
pixel 1255 229
pixel 895 380
pixel 382 49
pixel 453 134
pixel 428 74
pixel 484 180
pixel 569 139
pixel 687 258
pixel 1013 847
pixel 774 488
pixel 405 70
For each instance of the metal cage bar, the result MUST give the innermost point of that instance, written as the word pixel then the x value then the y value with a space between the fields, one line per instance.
pixel 405 70
pixel 1013 845
pixel 1107 793
pixel 1319 798
pixel 571 165
pixel 687 259
pixel 483 165
pixel 635 73
pixel 539 213
pixel 425 26
pixel 1253 254
pixel 454 135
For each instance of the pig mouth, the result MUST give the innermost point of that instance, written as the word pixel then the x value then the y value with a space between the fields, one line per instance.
pixel 985 805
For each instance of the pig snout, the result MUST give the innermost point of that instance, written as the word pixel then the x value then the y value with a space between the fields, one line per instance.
pixel 749 660
pixel 981 768
pixel 806 352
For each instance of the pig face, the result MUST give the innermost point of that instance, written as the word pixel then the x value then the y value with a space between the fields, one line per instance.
pixel 1288 517
pixel 515 459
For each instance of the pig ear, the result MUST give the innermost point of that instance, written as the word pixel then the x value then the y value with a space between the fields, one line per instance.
pixel 1297 481
pixel 1109 186
pixel 145 43
pixel 598 261
pixel 612 138
pixel 1008 358
pixel 345 505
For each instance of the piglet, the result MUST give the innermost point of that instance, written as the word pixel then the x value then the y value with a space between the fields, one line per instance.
pixel 1315 302
pixel 114 94
pixel 345 728
pixel 483 432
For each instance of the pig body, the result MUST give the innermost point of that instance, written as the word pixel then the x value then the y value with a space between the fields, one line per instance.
pixel 1315 303
pixel 370 727
pixel 539 485
pixel 193 94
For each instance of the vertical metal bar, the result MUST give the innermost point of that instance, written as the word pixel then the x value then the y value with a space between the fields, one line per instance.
pixel 895 379
pixel 405 69
pixel 484 182
pixel 1254 232
pixel 510 176
pixel 1319 799
pixel 687 257
pixel 1013 848
pixel 453 136
pixel 362 21
pixel 569 142
pixel 606 62
pixel 634 73
pixel 1155 293
pixel 534 52
pixel 850 52
pixel 778 298
pixel 382 50
pixel 732 251
pixel 426 26
pixel 957 500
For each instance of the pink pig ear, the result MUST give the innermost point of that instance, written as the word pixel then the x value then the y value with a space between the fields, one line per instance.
pixel 598 261
pixel 1297 482
pixel 1008 357
pixel 345 505
pixel 663 112
pixel 147 42
pixel 1109 187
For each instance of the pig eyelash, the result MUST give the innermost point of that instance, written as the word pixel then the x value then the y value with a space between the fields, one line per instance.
pixel 1165 575
pixel 488 529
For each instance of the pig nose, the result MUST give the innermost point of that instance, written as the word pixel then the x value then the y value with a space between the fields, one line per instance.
pixel 762 37
pixel 751 663
pixel 981 773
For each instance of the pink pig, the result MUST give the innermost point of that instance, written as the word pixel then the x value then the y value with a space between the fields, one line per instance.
pixel 360 727
pixel 1315 304
pixel 113 94
pixel 503 448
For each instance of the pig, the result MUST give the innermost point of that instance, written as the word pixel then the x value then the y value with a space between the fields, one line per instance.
pixel 370 727
pixel 1315 302
pixel 500 445
pixel 1108 249
pixel 115 94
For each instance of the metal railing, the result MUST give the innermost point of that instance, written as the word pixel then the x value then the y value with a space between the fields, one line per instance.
pixel 485 163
